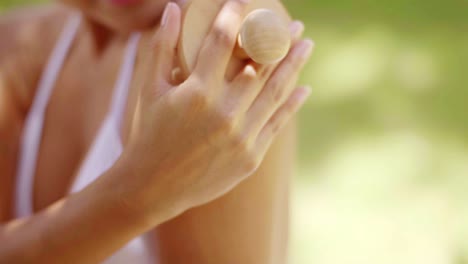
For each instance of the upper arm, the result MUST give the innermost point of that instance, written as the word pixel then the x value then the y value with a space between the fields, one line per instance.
pixel 24 47
pixel 9 113
pixel 248 225
pixel 10 126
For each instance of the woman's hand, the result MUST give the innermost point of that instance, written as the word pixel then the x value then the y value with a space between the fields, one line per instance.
pixel 193 142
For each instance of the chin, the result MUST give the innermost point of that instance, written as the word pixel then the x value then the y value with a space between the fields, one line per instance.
pixel 129 25
pixel 138 19
pixel 121 19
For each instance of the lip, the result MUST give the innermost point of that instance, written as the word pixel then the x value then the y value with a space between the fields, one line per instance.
pixel 124 3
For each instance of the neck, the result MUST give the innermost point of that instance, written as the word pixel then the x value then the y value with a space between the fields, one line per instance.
pixel 101 36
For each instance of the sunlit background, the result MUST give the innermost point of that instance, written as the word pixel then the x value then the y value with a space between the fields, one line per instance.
pixel 383 168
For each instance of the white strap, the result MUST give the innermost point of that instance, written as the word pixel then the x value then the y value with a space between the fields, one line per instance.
pixel 32 131
pixel 107 145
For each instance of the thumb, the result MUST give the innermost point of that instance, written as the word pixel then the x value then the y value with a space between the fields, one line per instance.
pixel 163 47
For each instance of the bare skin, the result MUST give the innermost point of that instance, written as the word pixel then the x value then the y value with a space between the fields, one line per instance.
pixel 243 224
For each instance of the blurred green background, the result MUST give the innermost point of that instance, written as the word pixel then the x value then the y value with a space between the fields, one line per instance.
pixel 383 168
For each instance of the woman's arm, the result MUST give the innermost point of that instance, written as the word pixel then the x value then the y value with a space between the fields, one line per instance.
pixel 85 227
pixel 249 225
pixel 10 128
pixel 22 58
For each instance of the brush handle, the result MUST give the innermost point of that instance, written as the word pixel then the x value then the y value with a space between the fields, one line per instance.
pixel 264 37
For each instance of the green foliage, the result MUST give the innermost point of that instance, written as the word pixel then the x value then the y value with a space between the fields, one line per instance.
pixel 6 4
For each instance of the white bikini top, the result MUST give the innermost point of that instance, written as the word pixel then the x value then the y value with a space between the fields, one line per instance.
pixel 104 151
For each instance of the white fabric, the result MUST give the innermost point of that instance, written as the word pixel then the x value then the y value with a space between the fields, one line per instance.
pixel 104 151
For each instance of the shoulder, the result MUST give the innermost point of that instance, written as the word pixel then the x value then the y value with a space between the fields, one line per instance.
pixel 28 37
pixel 34 26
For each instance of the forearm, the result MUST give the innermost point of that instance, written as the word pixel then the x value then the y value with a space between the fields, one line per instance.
pixel 85 227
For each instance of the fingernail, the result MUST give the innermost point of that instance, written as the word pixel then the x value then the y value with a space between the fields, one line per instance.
pixel 296 28
pixel 182 3
pixel 245 2
pixel 306 48
pixel 305 94
pixel 165 16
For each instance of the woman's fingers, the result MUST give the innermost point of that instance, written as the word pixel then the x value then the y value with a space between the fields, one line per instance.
pixel 165 43
pixel 296 28
pixel 280 118
pixel 249 82
pixel 264 71
pixel 278 87
pixel 219 44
